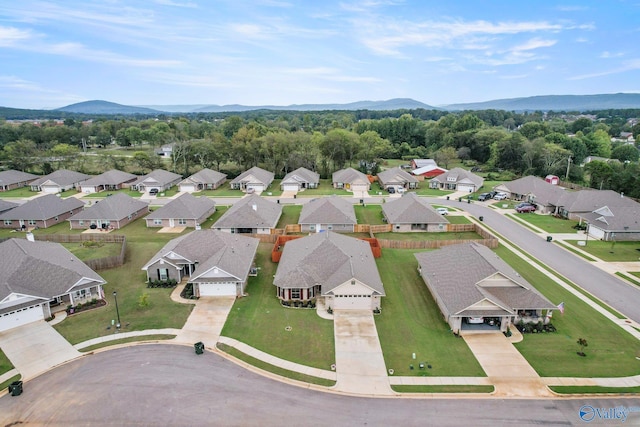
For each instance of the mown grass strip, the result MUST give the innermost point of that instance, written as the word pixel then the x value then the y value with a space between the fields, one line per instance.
pixel 274 369
pixel 9 381
pixel 522 223
pixel 576 389
pixel 625 277
pixel 571 249
pixel 443 388
pixel 157 337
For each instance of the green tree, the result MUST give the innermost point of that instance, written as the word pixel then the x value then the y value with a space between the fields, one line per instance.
pixel 65 154
pixel 444 156
pixel 600 174
pixel 625 152
pixel 21 154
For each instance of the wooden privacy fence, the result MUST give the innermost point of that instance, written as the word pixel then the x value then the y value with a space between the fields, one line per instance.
pixel 98 263
pixel 276 252
pixel 292 228
pixel 488 239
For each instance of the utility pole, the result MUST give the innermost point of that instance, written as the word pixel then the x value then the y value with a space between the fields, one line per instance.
pixel 566 178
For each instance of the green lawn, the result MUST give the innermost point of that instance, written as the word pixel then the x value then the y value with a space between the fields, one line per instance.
pixel 18 192
pixel 550 223
pixel 463 235
pixel 595 389
pixel 412 323
pixel 157 337
pixel 443 388
pixel 635 273
pixel 325 188
pixel 290 215
pixel 92 250
pixel 260 321
pixel 424 190
pixel 570 248
pixel 5 384
pixel 5 363
pixel 610 251
pixel 220 210
pixel 369 214
pixel 103 194
pixel 458 219
pixel 611 351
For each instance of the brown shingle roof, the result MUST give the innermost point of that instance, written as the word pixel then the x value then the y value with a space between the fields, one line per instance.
pixel 113 208
pixel 243 214
pixel 42 208
pixel 411 209
pixel 185 206
pixel 328 210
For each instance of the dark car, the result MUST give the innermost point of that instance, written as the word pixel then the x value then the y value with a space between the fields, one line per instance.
pixel 153 191
pixel 525 208
pixel 484 196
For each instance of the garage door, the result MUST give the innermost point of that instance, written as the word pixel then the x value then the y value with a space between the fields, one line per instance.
pixel 21 317
pixel 359 187
pixel 52 189
pixel 596 232
pixel 217 289
pixel 465 187
pixel 352 302
pixel 257 187
pixel 190 188
pixel 290 187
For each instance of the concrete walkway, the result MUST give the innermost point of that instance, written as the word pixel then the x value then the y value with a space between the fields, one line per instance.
pixel 359 362
pixel 206 321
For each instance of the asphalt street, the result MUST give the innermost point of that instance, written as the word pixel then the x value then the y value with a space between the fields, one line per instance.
pixel 170 385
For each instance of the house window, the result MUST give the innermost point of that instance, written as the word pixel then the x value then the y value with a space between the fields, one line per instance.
pixel 440 226
pixel 295 293
pixel 163 273
pixel 32 222
pixel 312 227
pixel 329 227
pixel 182 221
pixel 80 222
pixel 128 216
pixel 56 218
pixel 157 222
pixel 7 222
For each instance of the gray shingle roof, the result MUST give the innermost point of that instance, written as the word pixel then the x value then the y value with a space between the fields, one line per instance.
pixel 243 215
pixel 615 218
pixel 395 176
pixel 42 208
pixel 460 276
pixel 263 176
pixel 40 269
pixel 542 192
pixel 349 175
pixel 461 175
pixel 420 163
pixel 231 253
pixel 301 175
pixel 112 177
pixel 205 176
pixel 62 177
pixel 327 259
pixel 411 209
pixel 13 177
pixel 185 206
pixel 590 200
pixel 159 177
pixel 328 210
pixel 5 205
pixel 113 208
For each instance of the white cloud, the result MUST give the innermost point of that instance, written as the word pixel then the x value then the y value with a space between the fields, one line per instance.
pixel 626 66
pixel 177 4
pixel 535 43
pixel 10 36
pixel 606 54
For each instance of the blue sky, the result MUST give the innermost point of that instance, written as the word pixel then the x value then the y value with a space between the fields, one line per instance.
pixel 282 52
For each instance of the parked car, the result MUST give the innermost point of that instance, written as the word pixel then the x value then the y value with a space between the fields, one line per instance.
pixel 391 190
pixel 475 320
pixel 442 211
pixel 526 209
pixel 484 196
pixel 153 191
pixel 500 196
pixel 523 204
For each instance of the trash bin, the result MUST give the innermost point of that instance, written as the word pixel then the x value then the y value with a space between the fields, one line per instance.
pixel 481 218
pixel 459 199
pixel 295 196
pixel 199 347
pixel 361 201
pixel 447 197
pixel 549 238
pixel 15 388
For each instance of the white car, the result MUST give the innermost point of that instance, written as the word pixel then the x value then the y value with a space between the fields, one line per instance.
pixel 442 211
pixel 500 196
pixel 475 320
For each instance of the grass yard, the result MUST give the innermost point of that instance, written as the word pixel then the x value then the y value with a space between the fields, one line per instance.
pixel 92 250
pixel 611 351
pixel 630 279
pixel 259 320
pixel 5 363
pixel 158 337
pixel 570 248
pixel 21 192
pixel 369 214
pixel 103 194
pixel 424 190
pixel 550 223
pixel 412 323
pixel 290 215
pixel 611 251
pixel 594 389
pixel 458 219
pixel 220 210
pixel 325 188
pixel 443 388
pixel 463 235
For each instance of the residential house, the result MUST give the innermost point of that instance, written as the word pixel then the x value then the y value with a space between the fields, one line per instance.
pixel 112 212
pixel 213 262
pixel 159 180
pixel 35 275
pixel 205 179
pixel 166 150
pixel 351 180
pixel 457 179
pixel 5 205
pixel 396 178
pixel 614 224
pixel 328 213
pixel 183 211
pixel 299 180
pixel 338 268
pixel 59 181
pixel 412 213
pixel 251 214
pixel 108 181
pixel 469 282
pixel 41 212
pixel 533 190
pixel 253 180
pixel 572 204
pixel 12 179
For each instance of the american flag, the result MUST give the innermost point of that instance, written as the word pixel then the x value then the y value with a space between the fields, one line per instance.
pixel 561 307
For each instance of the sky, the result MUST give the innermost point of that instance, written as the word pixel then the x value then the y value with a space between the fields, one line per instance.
pixel 284 52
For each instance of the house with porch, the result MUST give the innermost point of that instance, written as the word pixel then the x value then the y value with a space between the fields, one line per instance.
pixel 299 180
pixel 251 215
pixel 5 205
pixel 204 179
pixel 108 181
pixel 572 204
pixel 397 178
pixel 337 268
pixel 12 179
pixel 613 224
pixel 159 179
pixel 470 284
pixel 255 180
pixel 331 213
pixel 352 180
pixel 411 213
pixel 41 212
pixel 213 262
pixel 59 181
pixel 110 213
pixel 183 211
pixel 36 276
pixel 457 179
pixel 533 190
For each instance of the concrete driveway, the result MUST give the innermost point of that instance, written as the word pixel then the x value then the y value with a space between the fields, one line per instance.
pixel 35 348
pixel 206 321
pixel 360 365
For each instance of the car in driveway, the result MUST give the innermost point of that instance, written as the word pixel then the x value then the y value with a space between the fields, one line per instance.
pixel 484 196
pixel 442 211
pixel 525 208
pixel 153 192
pixel 500 196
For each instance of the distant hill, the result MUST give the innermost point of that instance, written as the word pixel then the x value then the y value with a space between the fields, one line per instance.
pixel 555 103
pixel 105 107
